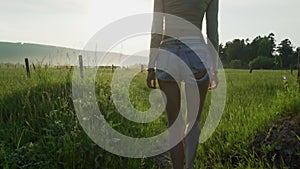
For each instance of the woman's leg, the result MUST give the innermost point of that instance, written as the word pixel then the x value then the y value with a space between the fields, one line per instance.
pixel 192 138
pixel 172 92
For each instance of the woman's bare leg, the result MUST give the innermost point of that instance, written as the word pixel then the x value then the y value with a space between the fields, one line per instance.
pixel 172 92
pixel 192 138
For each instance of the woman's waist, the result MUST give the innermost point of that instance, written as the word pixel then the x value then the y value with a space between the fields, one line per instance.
pixel 183 40
pixel 184 43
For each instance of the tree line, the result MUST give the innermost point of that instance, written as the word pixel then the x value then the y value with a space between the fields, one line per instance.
pixel 260 53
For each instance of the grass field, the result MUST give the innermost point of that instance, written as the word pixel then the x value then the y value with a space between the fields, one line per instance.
pixel 39 127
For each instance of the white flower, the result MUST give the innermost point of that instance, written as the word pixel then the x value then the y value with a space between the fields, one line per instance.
pixel 284 77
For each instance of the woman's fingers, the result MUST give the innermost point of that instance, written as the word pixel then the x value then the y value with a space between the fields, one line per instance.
pixel 214 82
pixel 151 81
pixel 154 83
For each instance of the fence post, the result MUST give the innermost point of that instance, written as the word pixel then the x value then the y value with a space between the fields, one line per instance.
pixel 81 66
pixel 142 68
pixel 27 67
pixel 33 66
pixel 298 65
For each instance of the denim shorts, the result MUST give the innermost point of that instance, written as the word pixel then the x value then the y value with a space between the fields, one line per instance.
pixel 179 62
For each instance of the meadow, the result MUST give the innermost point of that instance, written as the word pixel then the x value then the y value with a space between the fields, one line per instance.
pixel 39 127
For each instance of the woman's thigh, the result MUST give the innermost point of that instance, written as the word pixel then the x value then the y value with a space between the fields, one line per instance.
pixel 191 104
pixel 172 99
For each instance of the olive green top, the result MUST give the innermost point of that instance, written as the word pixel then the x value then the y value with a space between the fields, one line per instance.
pixel 192 11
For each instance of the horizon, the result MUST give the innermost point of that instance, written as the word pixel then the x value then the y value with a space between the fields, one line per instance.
pixel 68 47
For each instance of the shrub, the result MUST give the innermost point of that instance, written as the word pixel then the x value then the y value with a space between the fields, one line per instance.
pixel 262 62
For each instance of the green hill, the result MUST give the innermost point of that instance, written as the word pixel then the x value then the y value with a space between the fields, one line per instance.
pixel 16 52
pixel 52 55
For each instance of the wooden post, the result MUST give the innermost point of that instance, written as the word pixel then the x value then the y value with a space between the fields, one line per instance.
pixel 298 65
pixel 142 68
pixel 81 66
pixel 33 66
pixel 27 67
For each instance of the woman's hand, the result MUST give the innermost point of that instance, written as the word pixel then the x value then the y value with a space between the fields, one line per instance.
pixel 214 81
pixel 151 80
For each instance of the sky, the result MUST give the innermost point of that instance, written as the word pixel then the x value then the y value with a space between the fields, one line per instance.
pixel 71 23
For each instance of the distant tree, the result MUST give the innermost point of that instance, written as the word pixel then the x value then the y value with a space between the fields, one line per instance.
pixel 277 61
pixel 294 60
pixel 286 52
pixel 253 47
pixel 247 54
pixel 272 40
pixel 222 54
pixel 266 46
pixel 257 51
pixel 235 50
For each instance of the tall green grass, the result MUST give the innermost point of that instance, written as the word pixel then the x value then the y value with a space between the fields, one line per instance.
pixel 39 127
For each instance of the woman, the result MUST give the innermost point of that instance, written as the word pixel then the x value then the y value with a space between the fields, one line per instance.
pixel 183 154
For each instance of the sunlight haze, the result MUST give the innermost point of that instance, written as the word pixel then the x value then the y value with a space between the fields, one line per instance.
pixel 71 23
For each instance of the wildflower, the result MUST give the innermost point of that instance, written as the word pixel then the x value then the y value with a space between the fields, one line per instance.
pixel 285 82
pixel 284 77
